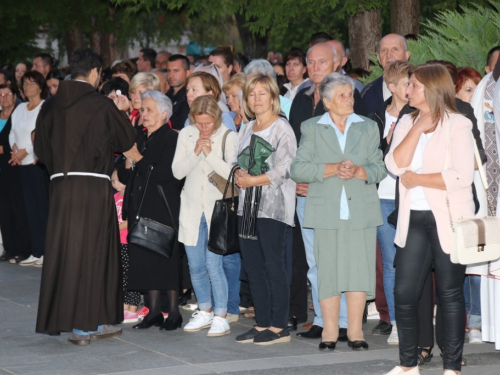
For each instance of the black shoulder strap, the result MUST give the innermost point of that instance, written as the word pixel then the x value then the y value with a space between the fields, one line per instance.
pixel 162 193
pixel 150 169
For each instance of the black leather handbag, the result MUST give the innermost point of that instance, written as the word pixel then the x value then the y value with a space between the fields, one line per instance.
pixel 151 235
pixel 223 238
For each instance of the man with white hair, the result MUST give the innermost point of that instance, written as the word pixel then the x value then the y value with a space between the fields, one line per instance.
pixel 392 47
pixel 264 67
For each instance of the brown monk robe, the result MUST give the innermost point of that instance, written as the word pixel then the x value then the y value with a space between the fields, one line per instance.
pixel 78 130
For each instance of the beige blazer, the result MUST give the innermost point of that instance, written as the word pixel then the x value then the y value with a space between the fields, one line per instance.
pixel 458 178
pixel 199 195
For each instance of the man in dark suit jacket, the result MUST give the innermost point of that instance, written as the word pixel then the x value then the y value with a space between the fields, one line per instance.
pixel 392 47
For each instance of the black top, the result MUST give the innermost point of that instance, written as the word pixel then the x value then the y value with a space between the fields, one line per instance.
pixel 303 109
pixel 4 141
pixel 373 95
pixel 180 110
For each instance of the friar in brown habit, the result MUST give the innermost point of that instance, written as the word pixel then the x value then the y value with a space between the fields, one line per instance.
pixel 76 133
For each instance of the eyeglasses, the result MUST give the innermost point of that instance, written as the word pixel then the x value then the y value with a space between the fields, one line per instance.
pixel 203 123
pixel 5 96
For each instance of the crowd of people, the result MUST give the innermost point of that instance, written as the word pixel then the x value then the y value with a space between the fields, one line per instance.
pixel 343 187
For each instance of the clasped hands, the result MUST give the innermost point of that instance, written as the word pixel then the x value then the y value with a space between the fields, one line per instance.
pixel 203 144
pixel 346 170
pixel 17 155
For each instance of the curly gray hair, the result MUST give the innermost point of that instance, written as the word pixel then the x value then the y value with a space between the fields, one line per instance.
pixel 331 82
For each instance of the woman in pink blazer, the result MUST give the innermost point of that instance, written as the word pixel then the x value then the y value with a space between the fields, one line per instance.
pixel 433 153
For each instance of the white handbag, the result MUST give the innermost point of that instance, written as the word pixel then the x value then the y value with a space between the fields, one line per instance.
pixel 474 240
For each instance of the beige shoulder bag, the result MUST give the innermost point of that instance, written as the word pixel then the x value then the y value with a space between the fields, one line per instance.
pixel 474 240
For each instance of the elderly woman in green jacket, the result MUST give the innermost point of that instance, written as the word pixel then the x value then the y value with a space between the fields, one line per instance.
pixel 339 158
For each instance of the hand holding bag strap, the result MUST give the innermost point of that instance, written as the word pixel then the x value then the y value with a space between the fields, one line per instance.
pixel 150 169
pixel 230 180
pixel 160 189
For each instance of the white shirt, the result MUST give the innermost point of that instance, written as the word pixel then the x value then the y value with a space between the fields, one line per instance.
pixel 387 187
pixel 292 90
pixel 23 123
pixel 385 90
pixel 418 200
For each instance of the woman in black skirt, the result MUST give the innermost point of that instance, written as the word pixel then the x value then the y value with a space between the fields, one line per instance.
pixel 154 147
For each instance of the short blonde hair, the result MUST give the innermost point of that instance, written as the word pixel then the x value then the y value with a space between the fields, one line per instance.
pixel 149 80
pixel 208 81
pixel 439 90
pixel 269 84
pixel 396 70
pixel 205 105
pixel 238 79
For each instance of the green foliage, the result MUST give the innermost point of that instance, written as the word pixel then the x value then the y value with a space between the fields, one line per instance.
pixel 462 36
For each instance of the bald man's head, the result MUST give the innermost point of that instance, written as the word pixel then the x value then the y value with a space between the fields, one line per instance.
pixel 321 61
pixel 392 47
pixel 341 55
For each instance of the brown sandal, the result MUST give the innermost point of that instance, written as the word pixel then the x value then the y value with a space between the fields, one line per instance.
pixel 249 314
pixel 423 359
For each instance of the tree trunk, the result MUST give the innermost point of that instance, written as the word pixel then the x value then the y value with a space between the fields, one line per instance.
pixel 405 17
pixel 74 40
pixel 365 30
pixel 254 45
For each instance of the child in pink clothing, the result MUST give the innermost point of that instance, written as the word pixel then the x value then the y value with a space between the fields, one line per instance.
pixel 131 300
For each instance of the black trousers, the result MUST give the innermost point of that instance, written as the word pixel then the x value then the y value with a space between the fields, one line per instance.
pixel 413 263
pixel 35 181
pixel 426 313
pixel 264 262
pixel 298 289
pixel 13 219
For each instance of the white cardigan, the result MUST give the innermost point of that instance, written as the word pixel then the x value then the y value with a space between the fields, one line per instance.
pixel 199 195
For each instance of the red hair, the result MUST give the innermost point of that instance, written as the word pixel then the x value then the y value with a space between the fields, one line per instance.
pixel 463 74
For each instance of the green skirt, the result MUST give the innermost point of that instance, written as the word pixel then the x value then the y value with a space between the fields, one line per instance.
pixel 346 260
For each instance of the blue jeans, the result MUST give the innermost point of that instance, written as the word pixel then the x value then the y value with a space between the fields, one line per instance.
pixel 312 274
pixel 80 332
pixel 472 294
pixel 207 273
pixel 232 267
pixel 385 237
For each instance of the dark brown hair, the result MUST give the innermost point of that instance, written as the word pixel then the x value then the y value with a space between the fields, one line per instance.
pixel 38 78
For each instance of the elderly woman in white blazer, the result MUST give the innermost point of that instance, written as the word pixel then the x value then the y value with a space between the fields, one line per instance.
pixel 198 153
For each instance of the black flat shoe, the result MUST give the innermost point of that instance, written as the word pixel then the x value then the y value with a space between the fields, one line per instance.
pixel 171 325
pixel 184 297
pixel 342 335
pixel 327 345
pixel 313 333
pixel 357 344
pixel 148 323
pixel 382 328
pixel 292 323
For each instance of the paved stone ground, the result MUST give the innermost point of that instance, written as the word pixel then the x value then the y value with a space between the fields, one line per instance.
pixel 154 352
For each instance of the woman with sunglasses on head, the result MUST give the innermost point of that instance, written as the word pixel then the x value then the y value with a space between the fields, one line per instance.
pixel 13 220
pixel 34 177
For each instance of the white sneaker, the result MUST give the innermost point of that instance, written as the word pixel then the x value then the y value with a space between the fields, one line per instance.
pixel 399 371
pixel 219 327
pixel 190 307
pixel 29 262
pixel 475 336
pixel 200 320
pixel 393 338
pixel 39 262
